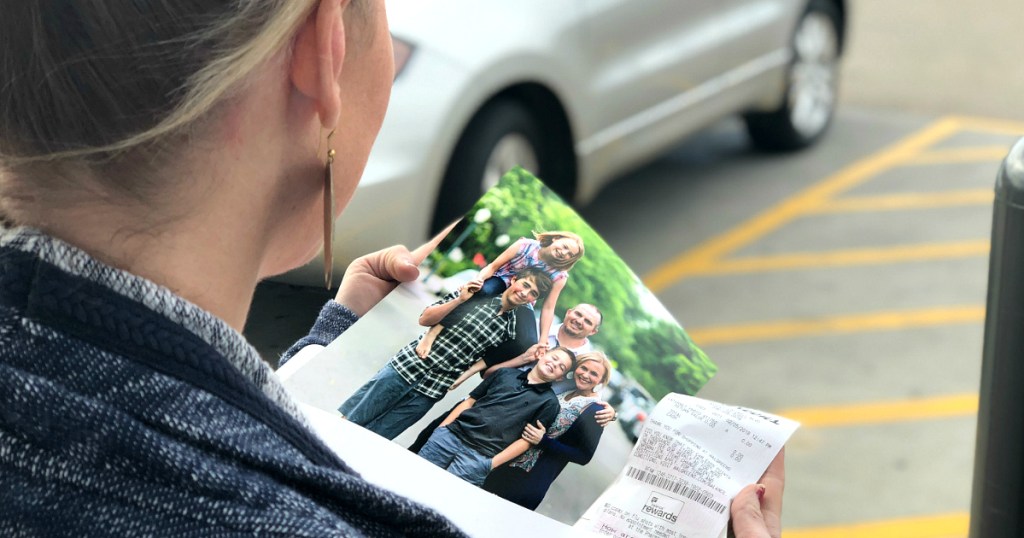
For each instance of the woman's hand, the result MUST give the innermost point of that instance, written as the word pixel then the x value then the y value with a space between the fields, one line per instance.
pixel 757 509
pixel 369 278
pixel 533 434
pixel 605 416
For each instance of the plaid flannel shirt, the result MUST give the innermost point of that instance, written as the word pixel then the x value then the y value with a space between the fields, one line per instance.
pixel 456 347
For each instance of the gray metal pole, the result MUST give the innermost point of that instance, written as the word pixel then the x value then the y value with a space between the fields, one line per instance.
pixel 997 500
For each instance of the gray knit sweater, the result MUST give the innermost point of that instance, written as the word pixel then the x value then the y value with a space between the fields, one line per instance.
pixel 128 411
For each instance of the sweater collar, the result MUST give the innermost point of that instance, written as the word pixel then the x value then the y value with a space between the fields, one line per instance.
pixel 224 339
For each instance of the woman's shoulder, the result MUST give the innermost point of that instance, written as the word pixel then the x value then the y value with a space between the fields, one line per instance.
pixel 587 417
pixel 582 404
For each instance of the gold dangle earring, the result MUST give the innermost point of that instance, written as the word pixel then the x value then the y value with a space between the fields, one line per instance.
pixel 328 214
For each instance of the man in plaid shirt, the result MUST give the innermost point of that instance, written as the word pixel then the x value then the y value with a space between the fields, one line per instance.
pixel 405 389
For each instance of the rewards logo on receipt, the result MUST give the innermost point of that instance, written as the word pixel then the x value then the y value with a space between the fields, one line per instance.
pixel 691 460
pixel 664 507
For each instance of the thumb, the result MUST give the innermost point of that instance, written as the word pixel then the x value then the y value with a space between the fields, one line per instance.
pixel 399 264
pixel 747 518
pixel 402 265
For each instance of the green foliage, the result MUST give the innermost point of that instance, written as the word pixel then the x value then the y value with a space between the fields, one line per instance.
pixel 654 351
pixel 671 355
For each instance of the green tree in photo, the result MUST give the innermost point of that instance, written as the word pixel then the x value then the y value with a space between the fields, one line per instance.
pixel 652 350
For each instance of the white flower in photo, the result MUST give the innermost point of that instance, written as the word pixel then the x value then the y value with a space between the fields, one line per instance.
pixel 456 255
pixel 502 240
pixel 482 216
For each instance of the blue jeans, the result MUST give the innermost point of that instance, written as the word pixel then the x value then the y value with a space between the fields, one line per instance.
pixel 448 452
pixel 386 404
pixel 493 287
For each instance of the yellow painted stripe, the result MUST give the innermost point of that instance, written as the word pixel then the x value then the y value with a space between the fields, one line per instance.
pixel 960 155
pixel 880 412
pixel 936 526
pixel 698 259
pixel 877 321
pixel 988 125
pixel 842 258
pixel 905 201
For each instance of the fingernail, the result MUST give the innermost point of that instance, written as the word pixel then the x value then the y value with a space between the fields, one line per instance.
pixel 760 492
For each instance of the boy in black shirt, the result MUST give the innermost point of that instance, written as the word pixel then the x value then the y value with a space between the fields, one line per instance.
pixel 484 431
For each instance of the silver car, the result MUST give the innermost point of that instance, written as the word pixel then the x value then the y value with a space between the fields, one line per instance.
pixel 577 91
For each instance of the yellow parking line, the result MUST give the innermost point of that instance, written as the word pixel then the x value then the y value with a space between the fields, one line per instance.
pixel 937 526
pixel 878 412
pixel 988 125
pixel 877 321
pixel 698 259
pixel 840 258
pixel 904 201
pixel 960 155
pixel 818 199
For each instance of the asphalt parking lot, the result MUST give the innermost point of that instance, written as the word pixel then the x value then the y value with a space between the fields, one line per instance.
pixel 851 299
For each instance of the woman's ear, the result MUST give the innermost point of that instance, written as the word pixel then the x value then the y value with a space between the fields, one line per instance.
pixel 317 58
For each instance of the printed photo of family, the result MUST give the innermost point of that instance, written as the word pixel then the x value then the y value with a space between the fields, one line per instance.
pixel 545 347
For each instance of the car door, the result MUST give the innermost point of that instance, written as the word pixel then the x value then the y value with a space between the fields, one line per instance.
pixel 651 63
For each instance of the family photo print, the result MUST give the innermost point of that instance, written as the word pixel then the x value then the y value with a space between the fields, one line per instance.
pixel 524 360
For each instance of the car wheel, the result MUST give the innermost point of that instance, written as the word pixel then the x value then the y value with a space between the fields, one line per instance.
pixel 811 85
pixel 502 135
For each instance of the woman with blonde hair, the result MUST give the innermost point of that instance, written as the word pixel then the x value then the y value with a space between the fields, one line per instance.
pixel 156 160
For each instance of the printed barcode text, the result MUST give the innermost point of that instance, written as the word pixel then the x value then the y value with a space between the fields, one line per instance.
pixel 694 494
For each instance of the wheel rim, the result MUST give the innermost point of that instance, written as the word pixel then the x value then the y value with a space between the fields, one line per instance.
pixel 812 94
pixel 511 150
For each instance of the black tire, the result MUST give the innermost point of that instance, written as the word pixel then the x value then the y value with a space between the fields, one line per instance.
pixel 494 124
pixel 793 125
